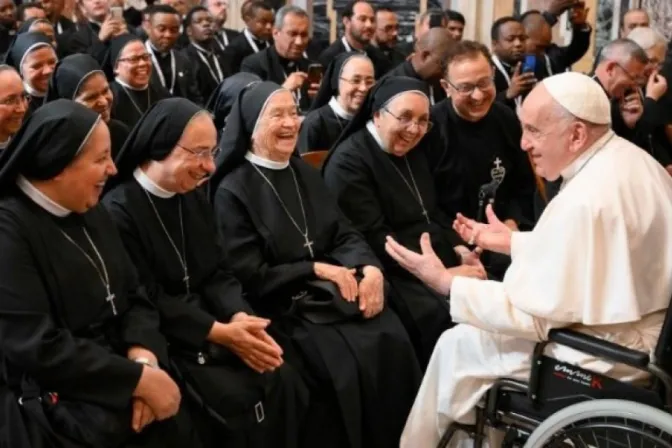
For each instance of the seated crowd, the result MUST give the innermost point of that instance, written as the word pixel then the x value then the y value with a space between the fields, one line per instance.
pixel 174 273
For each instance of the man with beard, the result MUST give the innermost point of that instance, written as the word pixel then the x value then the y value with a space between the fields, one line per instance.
pixel 387 32
pixel 360 23
pixel 258 18
pixel 7 24
pixel 13 104
pixel 283 63
pixel 479 160
pixel 508 48
pixel 426 62
pixel 203 53
pixel 551 58
pixel 219 10
pixel 170 68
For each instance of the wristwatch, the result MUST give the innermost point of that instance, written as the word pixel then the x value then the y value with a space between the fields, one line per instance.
pixel 146 361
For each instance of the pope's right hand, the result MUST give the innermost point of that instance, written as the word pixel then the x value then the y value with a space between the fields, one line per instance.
pixel 494 236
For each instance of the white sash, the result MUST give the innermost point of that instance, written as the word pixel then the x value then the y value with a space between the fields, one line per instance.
pixel 219 76
pixel 159 72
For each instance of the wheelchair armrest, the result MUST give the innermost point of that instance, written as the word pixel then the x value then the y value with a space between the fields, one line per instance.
pixel 600 348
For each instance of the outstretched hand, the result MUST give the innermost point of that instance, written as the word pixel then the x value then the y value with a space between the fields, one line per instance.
pixel 426 265
pixel 494 236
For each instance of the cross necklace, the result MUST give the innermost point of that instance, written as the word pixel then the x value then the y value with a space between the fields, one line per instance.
pixel 415 192
pixel 104 277
pixel 304 233
pixel 181 256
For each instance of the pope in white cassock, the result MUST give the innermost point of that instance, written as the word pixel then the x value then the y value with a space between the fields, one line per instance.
pixel 599 260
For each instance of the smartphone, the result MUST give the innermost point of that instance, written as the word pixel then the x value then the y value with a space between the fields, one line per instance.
pixel 117 12
pixel 529 64
pixel 315 72
pixel 436 20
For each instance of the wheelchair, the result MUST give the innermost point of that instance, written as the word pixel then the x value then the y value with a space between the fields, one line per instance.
pixel 563 405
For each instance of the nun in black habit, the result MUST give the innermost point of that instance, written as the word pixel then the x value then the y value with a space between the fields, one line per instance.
pixel 345 84
pixel 35 49
pixel 78 77
pixel 80 346
pixel 132 86
pixel 221 101
pixel 249 398
pixel 300 263
pixel 385 191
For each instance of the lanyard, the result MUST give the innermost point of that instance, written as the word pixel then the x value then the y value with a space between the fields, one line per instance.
pixel 224 42
pixel 548 65
pixel 59 27
pixel 498 64
pixel 431 96
pixel 250 40
pixel 219 76
pixel 297 94
pixel 159 72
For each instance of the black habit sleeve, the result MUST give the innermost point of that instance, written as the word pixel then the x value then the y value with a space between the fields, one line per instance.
pixel 245 249
pixel 77 368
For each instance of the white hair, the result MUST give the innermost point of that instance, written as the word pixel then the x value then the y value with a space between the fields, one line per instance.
pixel 647 38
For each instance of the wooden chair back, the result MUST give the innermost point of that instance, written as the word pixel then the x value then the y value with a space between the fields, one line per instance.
pixel 315 158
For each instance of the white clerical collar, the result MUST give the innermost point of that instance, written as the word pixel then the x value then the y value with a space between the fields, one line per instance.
pixel 201 49
pixel 157 51
pixel 32 92
pixel 576 166
pixel 128 86
pixel 376 136
pixel 338 109
pixel 266 163
pixel 40 198
pixel 150 186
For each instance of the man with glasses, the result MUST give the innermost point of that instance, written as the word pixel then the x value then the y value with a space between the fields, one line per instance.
pixel 387 33
pixel 479 160
pixel 13 104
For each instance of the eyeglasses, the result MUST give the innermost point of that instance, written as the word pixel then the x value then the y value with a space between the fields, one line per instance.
pixel 15 100
pixel 136 59
pixel 368 82
pixel 468 89
pixel 639 80
pixel 423 124
pixel 203 153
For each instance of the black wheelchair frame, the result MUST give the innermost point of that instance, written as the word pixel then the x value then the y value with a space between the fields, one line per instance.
pixel 517 408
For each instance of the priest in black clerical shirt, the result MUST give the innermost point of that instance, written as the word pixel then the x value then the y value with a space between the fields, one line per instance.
pixel 380 173
pixel 219 9
pixel 170 68
pixel 211 65
pixel 479 160
pixel 95 30
pixel 293 250
pixel 81 351
pixel 222 350
pixel 508 51
pixel 426 62
pixel 257 35
pixel 359 23
pixel 283 62
pixel 387 35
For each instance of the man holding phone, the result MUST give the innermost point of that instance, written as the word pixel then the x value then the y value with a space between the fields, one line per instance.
pixel 284 62
pixel 97 26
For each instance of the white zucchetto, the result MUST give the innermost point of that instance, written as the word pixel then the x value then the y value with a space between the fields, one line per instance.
pixel 581 96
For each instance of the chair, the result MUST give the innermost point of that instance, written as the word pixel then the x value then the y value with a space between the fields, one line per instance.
pixel 563 405
pixel 315 158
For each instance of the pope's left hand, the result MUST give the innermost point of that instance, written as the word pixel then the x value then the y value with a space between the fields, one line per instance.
pixel 371 292
pixel 426 265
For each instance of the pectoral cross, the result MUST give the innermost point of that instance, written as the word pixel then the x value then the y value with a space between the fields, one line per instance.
pixel 110 299
pixel 186 280
pixel 498 163
pixel 309 245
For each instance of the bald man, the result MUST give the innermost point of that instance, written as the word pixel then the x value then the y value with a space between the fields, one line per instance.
pixel 634 18
pixel 427 62
pixel 618 288
pixel 551 58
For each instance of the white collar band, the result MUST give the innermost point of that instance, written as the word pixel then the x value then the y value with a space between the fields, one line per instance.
pixel 41 199
pixel 150 186
pixel 339 110
pixel 266 163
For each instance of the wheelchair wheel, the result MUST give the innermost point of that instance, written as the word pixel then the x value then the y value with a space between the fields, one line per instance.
pixel 604 423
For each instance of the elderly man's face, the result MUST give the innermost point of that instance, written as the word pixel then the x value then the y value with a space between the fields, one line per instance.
pixel 545 137
pixel 623 77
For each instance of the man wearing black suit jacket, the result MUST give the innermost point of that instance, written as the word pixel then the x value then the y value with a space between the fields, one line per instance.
pixel 170 68
pixel 63 27
pixel 219 10
pixel 360 24
pixel 97 27
pixel 284 63
pixel 258 18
